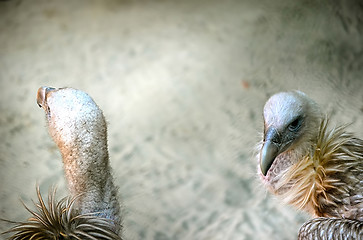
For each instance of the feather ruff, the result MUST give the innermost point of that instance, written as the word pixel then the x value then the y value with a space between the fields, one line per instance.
pixel 59 220
pixel 318 181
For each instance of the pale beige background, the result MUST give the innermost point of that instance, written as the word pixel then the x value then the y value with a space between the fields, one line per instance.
pixel 182 85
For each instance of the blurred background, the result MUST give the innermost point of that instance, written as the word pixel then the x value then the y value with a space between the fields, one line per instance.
pixel 182 85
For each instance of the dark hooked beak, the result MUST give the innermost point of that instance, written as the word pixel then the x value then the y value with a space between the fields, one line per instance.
pixel 270 149
pixel 42 95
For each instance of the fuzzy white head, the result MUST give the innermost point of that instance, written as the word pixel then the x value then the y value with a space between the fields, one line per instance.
pixel 71 115
pixel 291 123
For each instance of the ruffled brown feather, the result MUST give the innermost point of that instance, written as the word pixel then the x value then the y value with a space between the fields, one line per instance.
pixel 324 178
pixel 59 220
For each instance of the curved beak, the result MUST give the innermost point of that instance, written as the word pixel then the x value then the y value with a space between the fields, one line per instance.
pixel 42 95
pixel 270 149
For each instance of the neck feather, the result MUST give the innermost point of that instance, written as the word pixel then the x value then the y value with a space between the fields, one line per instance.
pixel 312 182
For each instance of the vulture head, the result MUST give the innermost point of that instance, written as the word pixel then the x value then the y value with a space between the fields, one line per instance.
pixel 311 166
pixel 74 120
pixel 291 124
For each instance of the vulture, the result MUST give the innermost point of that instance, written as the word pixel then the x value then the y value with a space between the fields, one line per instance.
pixel 92 211
pixel 313 166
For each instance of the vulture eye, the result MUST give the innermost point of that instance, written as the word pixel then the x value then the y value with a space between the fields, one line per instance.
pixel 295 125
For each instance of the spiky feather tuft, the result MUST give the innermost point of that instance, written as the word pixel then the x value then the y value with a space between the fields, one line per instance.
pixel 59 220
pixel 315 183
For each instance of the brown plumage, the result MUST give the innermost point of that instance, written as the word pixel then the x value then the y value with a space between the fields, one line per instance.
pixel 60 220
pixel 78 127
pixel 312 166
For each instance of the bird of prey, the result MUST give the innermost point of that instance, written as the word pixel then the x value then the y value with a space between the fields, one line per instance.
pixel 92 211
pixel 312 165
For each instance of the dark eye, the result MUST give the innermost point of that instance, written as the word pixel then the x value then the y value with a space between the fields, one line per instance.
pixel 295 125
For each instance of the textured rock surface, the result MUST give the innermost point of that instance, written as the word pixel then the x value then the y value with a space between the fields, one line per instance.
pixel 182 85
